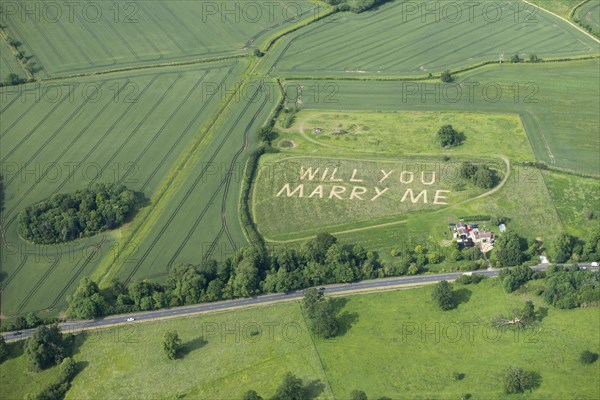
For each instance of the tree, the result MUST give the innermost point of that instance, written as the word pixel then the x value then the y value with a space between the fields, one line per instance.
pixel 516 59
pixel 446 77
pixel 251 395
pixel 312 298
pixel 484 177
pixel 266 135
pixel 520 319
pixel 325 322
pixel 171 344
pixel 533 58
pixel 33 320
pixel 509 249
pixel 358 395
pixel 587 357
pixel 3 349
pixel 443 296
pixel 13 79
pixel 68 368
pixel 517 380
pixel 87 302
pixel 45 348
pixel 562 248
pixel 291 388
pixel 449 137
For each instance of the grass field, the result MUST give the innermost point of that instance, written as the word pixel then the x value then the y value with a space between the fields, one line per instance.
pixel 336 192
pixel 8 63
pixel 96 36
pixel 405 39
pixel 524 197
pixel 376 352
pixel 574 197
pixel 406 133
pixel 557 103
pixel 128 127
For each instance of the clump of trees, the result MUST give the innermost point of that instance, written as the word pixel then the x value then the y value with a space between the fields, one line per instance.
pixel 514 278
pixel 470 279
pixel 510 249
pixel 450 137
pixel 443 295
pixel 515 59
pixel 65 217
pixel 321 313
pixel 518 380
pixel 479 174
pixel 249 272
pixel 266 135
pixel 31 320
pixel 45 348
pixel 171 344
pixel 572 287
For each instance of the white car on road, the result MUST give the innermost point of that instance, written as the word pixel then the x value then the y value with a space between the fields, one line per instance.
pixel 130 319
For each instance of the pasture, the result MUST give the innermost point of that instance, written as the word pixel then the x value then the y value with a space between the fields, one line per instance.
pixel 407 347
pixel 94 36
pixel 415 39
pixel 127 127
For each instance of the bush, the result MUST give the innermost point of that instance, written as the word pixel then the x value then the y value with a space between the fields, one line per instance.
pixel 449 137
pixel 587 357
pixel 517 380
pixel 446 77
pixel 443 296
pixel 458 376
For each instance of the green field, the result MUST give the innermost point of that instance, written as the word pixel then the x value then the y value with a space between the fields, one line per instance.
pixel 404 39
pixel 589 13
pixel 575 198
pixel 198 216
pixel 557 102
pixel 560 7
pixel 335 192
pixel 61 138
pixel 406 133
pixel 8 63
pixel 375 354
pixel 97 36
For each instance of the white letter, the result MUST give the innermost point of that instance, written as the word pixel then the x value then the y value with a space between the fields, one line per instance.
pixel 385 175
pixel 412 196
pixel 353 178
pixel 336 191
pixel 437 196
pixel 355 193
pixel 286 188
pixel 379 193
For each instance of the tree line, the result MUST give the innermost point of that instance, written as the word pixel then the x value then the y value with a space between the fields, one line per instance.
pixel 356 6
pixel 65 217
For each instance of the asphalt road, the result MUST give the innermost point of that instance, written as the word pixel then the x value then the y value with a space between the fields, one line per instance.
pixel 338 289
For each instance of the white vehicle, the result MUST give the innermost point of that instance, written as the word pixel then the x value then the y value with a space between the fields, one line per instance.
pixel 595 264
pixel 130 319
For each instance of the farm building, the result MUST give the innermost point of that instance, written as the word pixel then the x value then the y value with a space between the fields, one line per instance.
pixel 470 235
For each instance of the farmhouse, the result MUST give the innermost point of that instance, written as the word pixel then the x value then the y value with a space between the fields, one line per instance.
pixel 470 235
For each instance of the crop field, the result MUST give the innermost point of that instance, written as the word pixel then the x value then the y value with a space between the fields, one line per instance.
pixel 94 36
pixel 557 102
pixel 378 353
pixel 404 39
pixel 124 128
pixel 589 13
pixel 8 63
pixel 560 7
pixel 199 216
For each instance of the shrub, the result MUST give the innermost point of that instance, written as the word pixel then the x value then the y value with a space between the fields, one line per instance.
pixel 587 357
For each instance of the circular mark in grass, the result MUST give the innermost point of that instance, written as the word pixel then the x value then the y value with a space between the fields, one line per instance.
pixel 288 144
